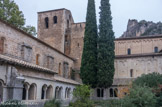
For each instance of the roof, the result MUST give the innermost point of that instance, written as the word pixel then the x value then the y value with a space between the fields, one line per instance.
pixel 61 79
pixel 38 40
pixel 123 81
pixel 140 37
pixel 53 10
pixel 137 55
pixel 14 61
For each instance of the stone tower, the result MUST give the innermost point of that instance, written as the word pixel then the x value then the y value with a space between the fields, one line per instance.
pixel 54 28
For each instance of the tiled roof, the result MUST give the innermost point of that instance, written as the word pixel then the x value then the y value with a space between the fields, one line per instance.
pixel 123 81
pixel 61 79
pixel 14 61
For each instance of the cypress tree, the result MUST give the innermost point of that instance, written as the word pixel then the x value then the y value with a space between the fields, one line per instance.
pixel 89 56
pixel 106 53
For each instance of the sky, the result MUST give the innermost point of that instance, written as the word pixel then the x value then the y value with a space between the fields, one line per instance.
pixel 122 11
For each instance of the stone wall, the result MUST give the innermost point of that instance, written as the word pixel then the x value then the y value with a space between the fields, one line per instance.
pixel 15 39
pixel 55 33
pixel 139 66
pixel 140 45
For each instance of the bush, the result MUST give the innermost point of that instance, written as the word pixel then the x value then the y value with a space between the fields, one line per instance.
pixel 13 103
pixel 52 103
pixel 82 96
pixel 109 103
pixel 140 97
pixel 151 80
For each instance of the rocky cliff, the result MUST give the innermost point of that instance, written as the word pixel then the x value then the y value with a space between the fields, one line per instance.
pixel 142 28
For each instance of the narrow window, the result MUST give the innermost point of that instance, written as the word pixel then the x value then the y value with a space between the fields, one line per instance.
pixel 37 59
pixel 78 44
pixel 55 19
pixel 111 92
pixel 102 92
pixel 131 73
pixel 67 23
pixel 156 49
pixel 98 93
pixel 46 22
pixel 129 51
pixel 59 68
pixel 1 45
pixel 66 38
pixel 116 92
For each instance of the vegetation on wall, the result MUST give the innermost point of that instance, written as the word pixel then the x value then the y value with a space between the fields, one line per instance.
pixel 52 103
pixel 106 53
pixel 89 56
pixel 9 12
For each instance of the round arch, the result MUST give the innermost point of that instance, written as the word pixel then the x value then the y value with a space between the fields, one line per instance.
pixel 49 92
pixel 43 94
pixel 32 91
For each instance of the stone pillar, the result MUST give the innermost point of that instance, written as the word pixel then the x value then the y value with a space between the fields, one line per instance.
pixel 27 92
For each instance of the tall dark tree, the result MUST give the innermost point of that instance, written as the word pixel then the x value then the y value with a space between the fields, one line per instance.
pixel 89 56
pixel 9 12
pixel 106 53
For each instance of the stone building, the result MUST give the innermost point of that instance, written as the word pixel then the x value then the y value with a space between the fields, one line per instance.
pixel 35 69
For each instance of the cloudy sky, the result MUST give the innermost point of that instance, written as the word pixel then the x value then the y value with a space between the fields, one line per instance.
pixel 122 10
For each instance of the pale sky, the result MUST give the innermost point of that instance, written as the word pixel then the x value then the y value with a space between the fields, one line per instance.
pixel 122 10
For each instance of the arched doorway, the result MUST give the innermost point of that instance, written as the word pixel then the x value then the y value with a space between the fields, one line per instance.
pixel 32 92
pixel 49 92
pixel 1 91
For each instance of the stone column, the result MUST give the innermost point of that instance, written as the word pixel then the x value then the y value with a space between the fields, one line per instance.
pixel 27 92
pixel 45 92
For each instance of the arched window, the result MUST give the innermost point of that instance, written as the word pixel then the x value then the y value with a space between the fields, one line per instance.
pixel 111 92
pixel 100 92
pixel 131 73
pixel 156 50
pixel 25 91
pixel 116 92
pixel 55 19
pixel 2 45
pixel 46 22
pixel 68 93
pixel 129 51
pixel 37 59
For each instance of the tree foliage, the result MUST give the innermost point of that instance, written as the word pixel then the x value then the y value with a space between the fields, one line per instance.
pixel 9 12
pixel 89 56
pixel 106 53
pixel 151 80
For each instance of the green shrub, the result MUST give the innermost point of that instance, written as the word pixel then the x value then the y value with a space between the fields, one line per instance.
pixel 140 97
pixel 52 103
pixel 13 103
pixel 82 96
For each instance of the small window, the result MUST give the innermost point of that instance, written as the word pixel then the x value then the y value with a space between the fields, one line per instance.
pixel 46 22
pixel 60 69
pixel 37 59
pixel 98 93
pixel 131 73
pixel 78 44
pixel 66 38
pixel 1 45
pixel 67 23
pixel 111 92
pixel 129 51
pixel 156 50
pixel 55 19
pixel 116 92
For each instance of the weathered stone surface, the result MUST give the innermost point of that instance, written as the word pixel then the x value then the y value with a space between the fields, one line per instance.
pixel 136 29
